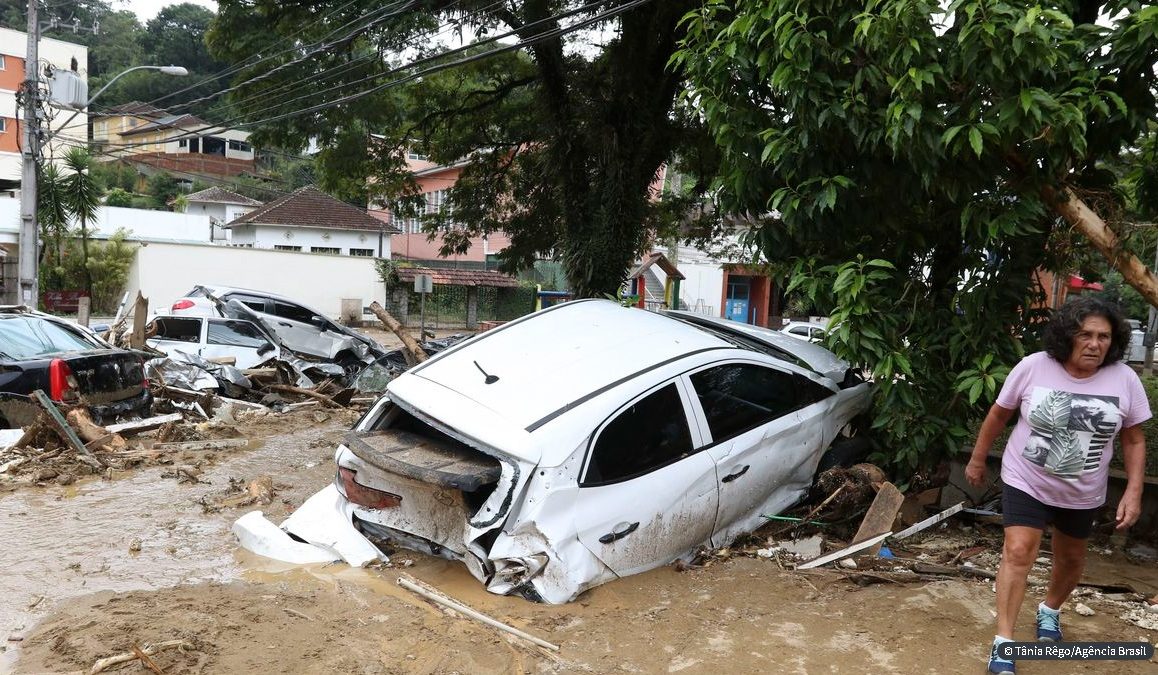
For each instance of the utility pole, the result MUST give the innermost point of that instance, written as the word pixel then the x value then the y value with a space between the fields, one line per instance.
pixel 29 231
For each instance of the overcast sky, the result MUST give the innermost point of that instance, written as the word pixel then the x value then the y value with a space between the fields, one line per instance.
pixel 147 9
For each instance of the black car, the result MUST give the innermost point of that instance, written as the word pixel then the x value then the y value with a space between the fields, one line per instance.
pixel 38 351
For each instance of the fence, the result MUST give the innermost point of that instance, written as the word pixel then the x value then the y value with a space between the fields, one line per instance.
pixel 447 306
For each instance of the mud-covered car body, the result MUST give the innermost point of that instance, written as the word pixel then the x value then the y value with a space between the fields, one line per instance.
pixel 584 443
pixel 68 363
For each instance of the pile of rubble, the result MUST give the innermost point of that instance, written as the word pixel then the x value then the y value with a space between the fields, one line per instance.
pixel 197 407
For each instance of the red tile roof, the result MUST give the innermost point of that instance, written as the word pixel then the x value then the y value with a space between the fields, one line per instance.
pixel 310 207
pixel 219 195
pixel 451 277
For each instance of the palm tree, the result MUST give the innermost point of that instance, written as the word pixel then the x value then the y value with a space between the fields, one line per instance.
pixel 53 215
pixel 82 195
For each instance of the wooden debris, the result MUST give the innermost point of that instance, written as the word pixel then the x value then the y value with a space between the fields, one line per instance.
pixel 57 422
pixel 218 444
pixel 140 318
pixel 147 424
pixel 300 615
pixel 94 435
pixel 446 601
pixel 146 661
pixel 412 351
pixel 844 552
pixel 922 567
pixel 880 516
pixel 147 650
pixel 287 389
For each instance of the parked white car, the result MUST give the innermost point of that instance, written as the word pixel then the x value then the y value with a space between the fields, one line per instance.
pixel 573 446
pixel 298 328
pixel 213 338
pixel 805 330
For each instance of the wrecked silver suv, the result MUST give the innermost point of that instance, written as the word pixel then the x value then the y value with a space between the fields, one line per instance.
pixel 579 444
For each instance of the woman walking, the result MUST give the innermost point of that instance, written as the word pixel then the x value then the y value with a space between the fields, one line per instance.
pixel 1074 398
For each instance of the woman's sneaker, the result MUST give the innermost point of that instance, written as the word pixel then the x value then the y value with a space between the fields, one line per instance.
pixel 1048 626
pixel 998 663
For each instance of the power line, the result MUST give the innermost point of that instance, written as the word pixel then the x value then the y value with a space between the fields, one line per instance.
pixel 238 123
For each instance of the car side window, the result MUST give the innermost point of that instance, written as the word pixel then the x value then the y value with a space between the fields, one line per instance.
pixel 737 397
pixel 235 334
pixel 252 302
pixel 292 312
pixel 180 330
pixel 798 330
pixel 817 334
pixel 646 435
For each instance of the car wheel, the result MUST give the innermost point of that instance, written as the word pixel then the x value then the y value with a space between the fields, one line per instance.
pixel 845 452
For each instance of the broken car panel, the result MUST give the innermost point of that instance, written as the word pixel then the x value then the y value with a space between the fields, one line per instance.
pixel 584 443
pixel 213 338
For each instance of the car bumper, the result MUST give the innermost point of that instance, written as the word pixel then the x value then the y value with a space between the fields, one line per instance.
pixel 142 405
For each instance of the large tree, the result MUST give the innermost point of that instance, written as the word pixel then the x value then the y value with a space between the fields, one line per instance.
pixel 562 137
pixel 916 162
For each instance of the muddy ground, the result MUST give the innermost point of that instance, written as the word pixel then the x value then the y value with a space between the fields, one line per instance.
pixel 93 568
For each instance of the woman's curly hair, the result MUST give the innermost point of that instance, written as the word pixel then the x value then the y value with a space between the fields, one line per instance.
pixel 1058 337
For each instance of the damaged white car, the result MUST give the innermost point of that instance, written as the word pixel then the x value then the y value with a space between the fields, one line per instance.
pixel 580 444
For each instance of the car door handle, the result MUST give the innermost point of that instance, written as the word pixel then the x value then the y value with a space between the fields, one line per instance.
pixel 282 323
pixel 733 476
pixel 618 534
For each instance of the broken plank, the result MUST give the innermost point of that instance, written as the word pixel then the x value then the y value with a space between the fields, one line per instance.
pixel 844 552
pixel 140 318
pixel 880 516
pixel 929 522
pixel 247 405
pixel 287 389
pixel 474 614
pixel 147 424
pixel 219 444
pixel 66 432
pixel 922 567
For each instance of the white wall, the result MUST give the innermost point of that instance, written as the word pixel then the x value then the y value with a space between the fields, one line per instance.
pixel 268 236
pixel 164 272
pixel 142 224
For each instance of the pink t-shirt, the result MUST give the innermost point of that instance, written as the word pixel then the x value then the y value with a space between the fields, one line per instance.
pixel 1060 448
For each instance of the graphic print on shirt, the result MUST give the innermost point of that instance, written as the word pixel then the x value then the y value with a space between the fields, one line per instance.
pixel 1070 433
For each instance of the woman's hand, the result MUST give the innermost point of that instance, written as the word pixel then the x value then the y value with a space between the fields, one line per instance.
pixel 975 472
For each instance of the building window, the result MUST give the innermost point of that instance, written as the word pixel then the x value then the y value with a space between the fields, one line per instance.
pixel 3 63
pixel 240 146
pixel 325 249
pixel 282 247
pixel 3 124
pixel 362 252
pixel 183 143
pixel 415 155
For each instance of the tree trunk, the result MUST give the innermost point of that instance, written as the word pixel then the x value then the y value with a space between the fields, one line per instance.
pixel 1077 214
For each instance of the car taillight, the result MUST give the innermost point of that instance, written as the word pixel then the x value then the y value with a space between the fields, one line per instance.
pixel 364 496
pixel 61 383
pixel 182 304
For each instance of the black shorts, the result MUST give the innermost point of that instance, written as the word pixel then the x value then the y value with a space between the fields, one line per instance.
pixel 1019 508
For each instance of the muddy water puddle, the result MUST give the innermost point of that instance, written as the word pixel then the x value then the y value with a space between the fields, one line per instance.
pixel 62 542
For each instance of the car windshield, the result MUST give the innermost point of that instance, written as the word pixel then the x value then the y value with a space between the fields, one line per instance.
pixel 26 337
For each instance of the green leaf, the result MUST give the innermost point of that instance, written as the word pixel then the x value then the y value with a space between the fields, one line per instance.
pixel 975 140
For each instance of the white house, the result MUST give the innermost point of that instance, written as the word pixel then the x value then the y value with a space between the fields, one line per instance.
pixel 221 206
pixel 311 221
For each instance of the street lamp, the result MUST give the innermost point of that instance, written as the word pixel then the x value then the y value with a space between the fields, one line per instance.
pixel 29 260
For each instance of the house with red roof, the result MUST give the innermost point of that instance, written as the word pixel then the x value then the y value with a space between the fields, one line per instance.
pixel 311 221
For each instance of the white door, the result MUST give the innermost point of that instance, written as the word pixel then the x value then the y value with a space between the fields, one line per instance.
pixel 301 330
pixel 765 453
pixel 241 340
pixel 646 496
